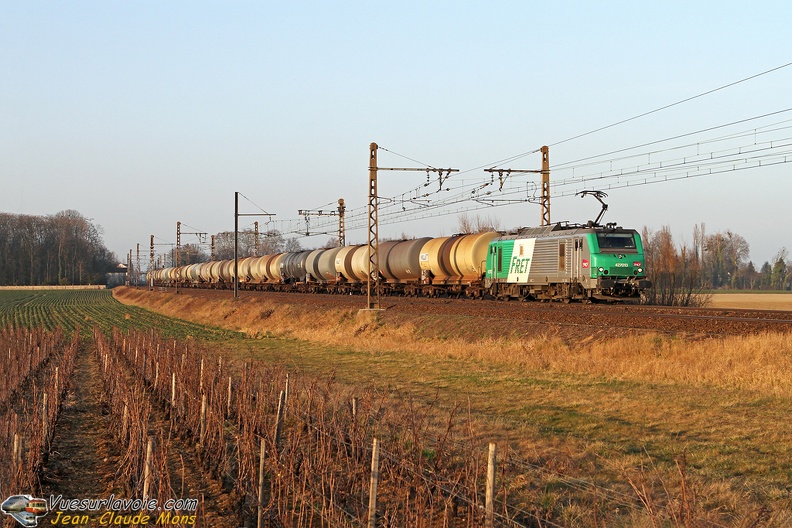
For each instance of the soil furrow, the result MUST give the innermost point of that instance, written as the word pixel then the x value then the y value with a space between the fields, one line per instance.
pixel 84 455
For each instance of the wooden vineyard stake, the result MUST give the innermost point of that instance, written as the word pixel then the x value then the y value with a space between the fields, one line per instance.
pixel 372 506
pixel 200 378
pixel 228 408
pixel 203 420
pixel 124 423
pixel 17 456
pixel 279 419
pixel 147 468
pixel 45 424
pixel 489 517
pixel 260 523
pixel 173 391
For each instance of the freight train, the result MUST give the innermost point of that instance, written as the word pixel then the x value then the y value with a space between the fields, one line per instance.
pixel 562 262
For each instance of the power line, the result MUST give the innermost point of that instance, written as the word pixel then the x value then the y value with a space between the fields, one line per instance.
pixel 736 135
pixel 390 215
pixel 254 203
pixel 708 92
pixel 421 203
pixel 710 129
pixel 406 157
pixel 673 163
pixel 424 203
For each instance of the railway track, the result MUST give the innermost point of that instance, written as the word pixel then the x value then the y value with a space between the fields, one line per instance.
pixel 569 321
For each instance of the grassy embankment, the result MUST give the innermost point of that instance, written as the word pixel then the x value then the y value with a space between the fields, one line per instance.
pixel 598 408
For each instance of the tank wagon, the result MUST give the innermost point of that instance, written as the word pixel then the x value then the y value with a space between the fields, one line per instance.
pixel 559 262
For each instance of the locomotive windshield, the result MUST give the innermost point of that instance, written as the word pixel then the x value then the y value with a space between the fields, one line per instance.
pixel 619 242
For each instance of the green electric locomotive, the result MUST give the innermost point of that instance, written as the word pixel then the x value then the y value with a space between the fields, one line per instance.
pixel 567 262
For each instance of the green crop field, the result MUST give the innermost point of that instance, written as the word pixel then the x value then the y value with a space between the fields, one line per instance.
pixel 85 309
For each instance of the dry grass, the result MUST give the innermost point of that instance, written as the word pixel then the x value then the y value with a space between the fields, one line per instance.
pixel 759 363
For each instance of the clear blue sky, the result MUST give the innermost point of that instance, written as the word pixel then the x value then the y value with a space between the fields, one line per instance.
pixel 142 114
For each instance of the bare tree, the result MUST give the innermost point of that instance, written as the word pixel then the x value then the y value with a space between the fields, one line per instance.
pixel 780 271
pixel 292 244
pixel 724 254
pixel 64 248
pixel 674 272
pixel 269 243
pixel 479 224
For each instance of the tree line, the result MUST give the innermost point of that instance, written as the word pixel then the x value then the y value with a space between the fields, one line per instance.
pixel 60 249
pixel 248 245
pixel 67 248
pixel 681 273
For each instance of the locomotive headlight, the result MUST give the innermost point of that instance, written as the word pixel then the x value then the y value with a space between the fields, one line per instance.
pixel 640 270
pixel 600 269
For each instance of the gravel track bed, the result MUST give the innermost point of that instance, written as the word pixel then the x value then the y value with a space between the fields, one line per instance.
pixel 568 321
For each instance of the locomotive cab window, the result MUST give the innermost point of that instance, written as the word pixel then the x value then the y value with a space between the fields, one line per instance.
pixel 497 258
pixel 616 242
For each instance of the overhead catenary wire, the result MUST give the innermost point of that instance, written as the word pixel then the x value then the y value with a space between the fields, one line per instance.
pixel 406 157
pixel 191 227
pixel 521 193
pixel 472 195
pixel 461 196
pixel 656 142
pixel 650 112
pixel 261 209
pixel 706 158
pixel 754 133
pixel 665 107
pixel 414 205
